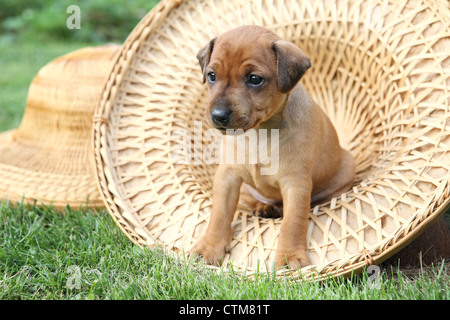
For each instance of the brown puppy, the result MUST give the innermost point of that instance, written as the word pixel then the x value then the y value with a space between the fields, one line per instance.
pixel 253 76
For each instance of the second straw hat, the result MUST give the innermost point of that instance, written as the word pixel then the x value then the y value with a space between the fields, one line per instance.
pixel 48 158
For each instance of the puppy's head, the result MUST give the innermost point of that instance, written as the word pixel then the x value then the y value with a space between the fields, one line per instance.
pixel 249 71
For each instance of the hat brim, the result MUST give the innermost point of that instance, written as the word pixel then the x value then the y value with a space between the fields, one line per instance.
pixel 36 183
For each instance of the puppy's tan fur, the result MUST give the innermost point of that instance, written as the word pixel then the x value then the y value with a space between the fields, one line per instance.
pixel 312 165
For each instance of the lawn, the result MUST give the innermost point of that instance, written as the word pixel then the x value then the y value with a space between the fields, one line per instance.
pixel 82 254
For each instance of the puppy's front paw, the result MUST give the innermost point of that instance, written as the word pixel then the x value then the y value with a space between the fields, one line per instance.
pixel 212 254
pixel 293 260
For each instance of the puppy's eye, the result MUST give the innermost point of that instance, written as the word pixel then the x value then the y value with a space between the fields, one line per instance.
pixel 211 77
pixel 255 80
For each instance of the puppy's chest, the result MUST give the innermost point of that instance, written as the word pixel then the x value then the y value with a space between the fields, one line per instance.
pixel 267 185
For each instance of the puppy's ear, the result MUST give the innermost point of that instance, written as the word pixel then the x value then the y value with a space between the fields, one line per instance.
pixel 292 64
pixel 204 55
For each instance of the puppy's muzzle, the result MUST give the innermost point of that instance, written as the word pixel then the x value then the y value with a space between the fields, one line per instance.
pixel 221 116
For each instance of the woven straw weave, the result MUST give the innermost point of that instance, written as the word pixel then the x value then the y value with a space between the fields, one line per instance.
pixel 48 158
pixel 380 70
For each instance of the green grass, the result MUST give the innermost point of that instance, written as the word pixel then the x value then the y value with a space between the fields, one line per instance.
pixel 82 254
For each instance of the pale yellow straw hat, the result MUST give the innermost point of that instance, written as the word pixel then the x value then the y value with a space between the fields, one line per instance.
pixel 48 158
pixel 381 71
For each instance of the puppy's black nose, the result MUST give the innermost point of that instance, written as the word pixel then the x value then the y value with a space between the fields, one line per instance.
pixel 221 117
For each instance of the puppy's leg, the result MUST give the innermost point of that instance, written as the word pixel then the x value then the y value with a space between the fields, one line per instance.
pixel 291 249
pixel 259 208
pixel 246 199
pixel 215 242
pixel 269 211
pixel 340 182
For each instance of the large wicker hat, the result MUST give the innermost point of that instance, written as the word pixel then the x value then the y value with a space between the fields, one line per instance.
pixel 381 71
pixel 49 157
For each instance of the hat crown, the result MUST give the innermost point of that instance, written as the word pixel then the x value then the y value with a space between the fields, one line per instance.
pixel 54 136
pixel 62 96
